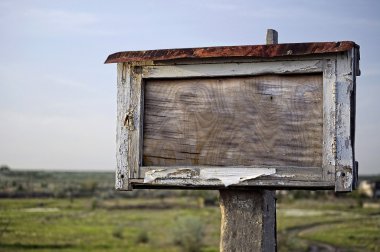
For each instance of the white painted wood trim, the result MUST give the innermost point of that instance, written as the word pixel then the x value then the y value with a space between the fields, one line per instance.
pixel 263 181
pixel 136 107
pixel 226 177
pixel 329 122
pixel 122 133
pixel 232 69
pixel 238 175
pixel 344 154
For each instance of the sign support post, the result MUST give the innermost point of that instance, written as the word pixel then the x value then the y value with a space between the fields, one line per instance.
pixel 248 220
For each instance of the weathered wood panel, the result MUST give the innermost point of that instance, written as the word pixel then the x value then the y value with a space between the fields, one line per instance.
pixel 267 120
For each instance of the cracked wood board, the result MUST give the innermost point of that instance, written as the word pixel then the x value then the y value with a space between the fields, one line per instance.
pixel 268 120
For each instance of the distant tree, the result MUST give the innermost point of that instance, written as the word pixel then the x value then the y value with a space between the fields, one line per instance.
pixel 5 168
pixel 20 188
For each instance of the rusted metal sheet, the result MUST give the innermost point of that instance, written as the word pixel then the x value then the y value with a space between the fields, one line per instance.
pixel 255 51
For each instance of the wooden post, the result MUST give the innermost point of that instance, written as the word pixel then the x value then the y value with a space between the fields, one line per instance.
pixel 248 220
pixel 249 216
pixel 272 37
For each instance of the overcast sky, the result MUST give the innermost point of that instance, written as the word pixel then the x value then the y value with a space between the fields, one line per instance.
pixel 58 99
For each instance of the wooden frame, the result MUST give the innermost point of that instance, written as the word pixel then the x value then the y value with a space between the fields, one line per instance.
pixel 338 168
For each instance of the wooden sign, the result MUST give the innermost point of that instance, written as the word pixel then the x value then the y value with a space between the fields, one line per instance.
pixel 274 116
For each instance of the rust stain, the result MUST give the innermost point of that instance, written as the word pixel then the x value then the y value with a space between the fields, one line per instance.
pixel 255 51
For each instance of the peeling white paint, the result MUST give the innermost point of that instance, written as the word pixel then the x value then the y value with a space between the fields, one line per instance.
pixel 348 180
pixel 236 175
pixel 150 176
pixel 227 177
pixel 284 175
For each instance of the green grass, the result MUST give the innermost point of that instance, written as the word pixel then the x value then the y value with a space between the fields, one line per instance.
pixel 150 224
pixel 61 225
pixel 338 223
pixel 356 233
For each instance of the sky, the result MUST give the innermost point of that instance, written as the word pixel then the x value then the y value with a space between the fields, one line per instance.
pixel 58 99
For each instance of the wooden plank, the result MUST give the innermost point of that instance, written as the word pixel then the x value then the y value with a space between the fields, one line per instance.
pixel 344 88
pixel 329 119
pixel 251 51
pixel 129 121
pixel 233 176
pixel 217 184
pixel 178 62
pixel 227 177
pixel 122 132
pixel 264 120
pixel 356 72
pixel 241 173
pixel 272 37
pixel 232 69
pixel 135 108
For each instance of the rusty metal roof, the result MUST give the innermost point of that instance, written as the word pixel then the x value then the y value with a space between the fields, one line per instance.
pixel 255 51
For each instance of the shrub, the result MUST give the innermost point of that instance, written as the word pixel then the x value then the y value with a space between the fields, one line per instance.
pixel 5 168
pixel 94 203
pixel 118 232
pixel 188 233
pixel 142 237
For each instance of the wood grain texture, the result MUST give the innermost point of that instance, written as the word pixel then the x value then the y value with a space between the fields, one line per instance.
pixel 248 220
pixel 267 120
pixel 233 69
pixel 122 133
pixel 344 152
pixel 329 121
pixel 135 135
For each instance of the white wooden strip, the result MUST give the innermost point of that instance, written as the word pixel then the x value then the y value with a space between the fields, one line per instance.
pixel 134 154
pixel 122 133
pixel 235 176
pixel 344 88
pixel 232 69
pixel 356 71
pixel 228 175
pixel 329 115
pixel 217 184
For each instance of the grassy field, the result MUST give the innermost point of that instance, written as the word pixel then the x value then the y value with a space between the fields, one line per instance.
pixel 157 224
pixel 80 211
pixel 83 225
pixel 328 225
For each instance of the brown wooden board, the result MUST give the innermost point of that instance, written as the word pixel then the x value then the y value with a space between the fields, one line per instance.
pixel 269 120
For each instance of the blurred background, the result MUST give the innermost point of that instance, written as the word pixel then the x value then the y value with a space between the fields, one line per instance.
pixel 58 121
